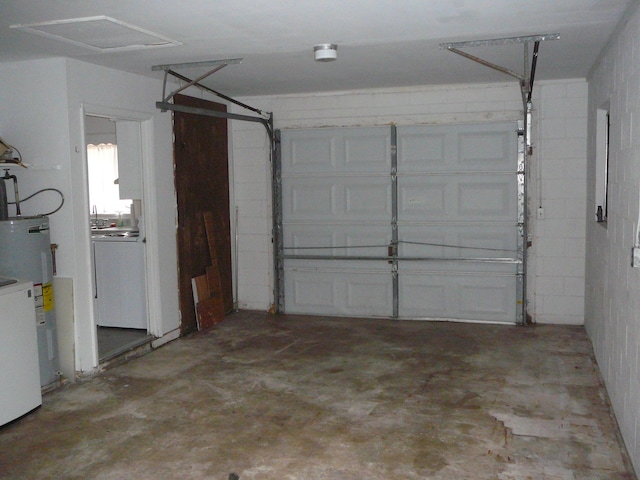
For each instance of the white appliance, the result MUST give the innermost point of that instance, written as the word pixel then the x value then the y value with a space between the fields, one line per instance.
pixel 119 277
pixel 25 252
pixel 19 368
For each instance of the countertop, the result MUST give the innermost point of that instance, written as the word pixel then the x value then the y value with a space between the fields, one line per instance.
pixel 115 234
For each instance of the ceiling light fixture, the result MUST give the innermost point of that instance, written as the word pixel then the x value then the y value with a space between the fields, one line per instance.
pixel 325 52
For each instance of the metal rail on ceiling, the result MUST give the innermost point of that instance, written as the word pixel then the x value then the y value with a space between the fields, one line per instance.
pixel 264 118
pixel 527 77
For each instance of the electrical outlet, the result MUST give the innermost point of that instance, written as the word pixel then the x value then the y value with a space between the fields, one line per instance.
pixel 635 257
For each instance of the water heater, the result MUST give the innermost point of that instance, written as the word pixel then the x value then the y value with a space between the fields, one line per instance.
pixel 25 254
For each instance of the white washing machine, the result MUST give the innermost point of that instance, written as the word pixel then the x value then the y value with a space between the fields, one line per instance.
pixel 19 367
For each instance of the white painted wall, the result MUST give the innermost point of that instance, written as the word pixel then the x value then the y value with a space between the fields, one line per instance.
pixel 556 259
pixel 613 287
pixel 42 104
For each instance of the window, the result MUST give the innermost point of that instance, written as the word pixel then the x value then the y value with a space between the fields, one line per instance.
pixel 602 164
pixel 104 192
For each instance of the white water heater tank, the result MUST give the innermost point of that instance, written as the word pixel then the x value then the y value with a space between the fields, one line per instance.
pixel 25 254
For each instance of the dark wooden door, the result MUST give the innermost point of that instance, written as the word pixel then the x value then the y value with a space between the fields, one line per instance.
pixel 201 174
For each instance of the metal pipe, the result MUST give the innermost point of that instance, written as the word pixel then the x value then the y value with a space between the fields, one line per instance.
pixel 486 63
pixel 534 62
pixel 210 90
pixel 403 259
pixel 15 190
pixel 193 82
pixel 4 207
pixel 210 113
pixel 236 260
pixel 393 248
pixel 502 41
pixel 276 212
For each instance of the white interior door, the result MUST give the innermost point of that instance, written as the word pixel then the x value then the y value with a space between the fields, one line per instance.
pixel 414 222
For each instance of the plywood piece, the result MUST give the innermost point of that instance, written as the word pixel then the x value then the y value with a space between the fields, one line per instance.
pixel 216 227
pixel 200 288
pixel 213 282
pixel 209 311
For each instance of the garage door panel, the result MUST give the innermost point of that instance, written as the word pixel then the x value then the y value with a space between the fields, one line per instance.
pixel 458 268
pixel 478 240
pixel 367 151
pixel 485 198
pixel 462 148
pixel 336 198
pixel 488 297
pixel 300 238
pixel 450 295
pixel 337 151
pixel 367 198
pixel 457 198
pixel 339 291
pixel 486 149
pixel 422 198
pixel 424 295
pixel 310 154
pixel 419 151
pixel 306 199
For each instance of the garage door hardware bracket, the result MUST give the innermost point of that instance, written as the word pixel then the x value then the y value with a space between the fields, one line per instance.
pixel 169 69
pixel 526 79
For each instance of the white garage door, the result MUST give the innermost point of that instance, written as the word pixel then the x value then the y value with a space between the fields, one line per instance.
pixel 421 222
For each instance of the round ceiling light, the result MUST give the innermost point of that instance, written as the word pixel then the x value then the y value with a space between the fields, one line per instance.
pixel 325 52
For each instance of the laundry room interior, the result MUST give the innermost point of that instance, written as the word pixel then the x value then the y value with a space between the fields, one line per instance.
pixel 320 240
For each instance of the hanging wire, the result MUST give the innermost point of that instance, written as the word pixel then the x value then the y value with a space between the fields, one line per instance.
pixel 41 191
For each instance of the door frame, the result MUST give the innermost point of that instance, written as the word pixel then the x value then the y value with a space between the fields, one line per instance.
pixel 149 215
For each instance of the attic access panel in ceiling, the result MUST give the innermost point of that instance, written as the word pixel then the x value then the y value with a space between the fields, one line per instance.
pixel 100 33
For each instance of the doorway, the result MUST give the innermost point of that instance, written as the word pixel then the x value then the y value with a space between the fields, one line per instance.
pixel 202 185
pixel 117 234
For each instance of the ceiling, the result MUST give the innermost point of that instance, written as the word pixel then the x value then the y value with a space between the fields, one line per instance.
pixel 381 43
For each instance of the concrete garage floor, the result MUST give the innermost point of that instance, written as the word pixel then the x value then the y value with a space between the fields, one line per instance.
pixel 292 397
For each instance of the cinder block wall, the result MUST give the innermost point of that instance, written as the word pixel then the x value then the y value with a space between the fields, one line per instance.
pixel 612 313
pixel 556 259
pixel 557 202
